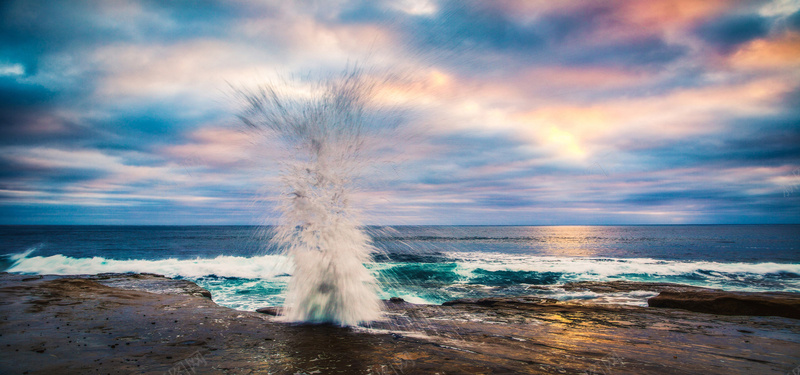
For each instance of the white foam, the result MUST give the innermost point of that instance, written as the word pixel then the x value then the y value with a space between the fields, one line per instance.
pixel 17 257
pixel 271 271
pixel 266 266
pixel 608 267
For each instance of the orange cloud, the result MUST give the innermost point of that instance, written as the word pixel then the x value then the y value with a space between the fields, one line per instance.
pixel 572 130
pixel 421 87
pixel 779 53
pixel 670 13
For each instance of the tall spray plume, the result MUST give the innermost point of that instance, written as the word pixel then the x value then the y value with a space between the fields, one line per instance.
pixel 324 129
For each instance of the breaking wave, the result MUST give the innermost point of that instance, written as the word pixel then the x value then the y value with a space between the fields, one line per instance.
pixel 250 282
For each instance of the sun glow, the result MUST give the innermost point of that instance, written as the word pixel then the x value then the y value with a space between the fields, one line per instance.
pixel 566 143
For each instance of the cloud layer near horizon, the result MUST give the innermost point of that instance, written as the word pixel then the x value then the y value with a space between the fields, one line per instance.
pixel 523 112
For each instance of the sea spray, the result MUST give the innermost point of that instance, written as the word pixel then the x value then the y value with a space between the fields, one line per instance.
pixel 324 131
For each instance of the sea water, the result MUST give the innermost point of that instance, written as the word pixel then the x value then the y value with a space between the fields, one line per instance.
pixel 427 264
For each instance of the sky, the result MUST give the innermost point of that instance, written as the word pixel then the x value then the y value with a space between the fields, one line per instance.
pixel 519 112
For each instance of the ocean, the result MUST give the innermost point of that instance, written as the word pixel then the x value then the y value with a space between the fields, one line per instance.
pixel 429 264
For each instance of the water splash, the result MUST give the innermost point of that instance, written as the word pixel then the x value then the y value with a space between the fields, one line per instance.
pixel 324 131
pixel 9 261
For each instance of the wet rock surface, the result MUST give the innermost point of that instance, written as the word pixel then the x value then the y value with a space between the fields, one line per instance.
pixel 271 310
pixel 731 303
pixel 628 286
pixel 78 325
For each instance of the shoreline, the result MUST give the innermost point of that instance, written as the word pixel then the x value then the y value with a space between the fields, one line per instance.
pixel 146 323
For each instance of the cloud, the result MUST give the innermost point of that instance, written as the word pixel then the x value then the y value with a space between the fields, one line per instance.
pixel 574 130
pixel 730 31
pixel 779 53
pixel 215 147
pixel 12 70
pixel 793 21
pixel 195 70
pixel 517 111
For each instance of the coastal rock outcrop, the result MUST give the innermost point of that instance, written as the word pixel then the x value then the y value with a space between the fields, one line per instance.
pixel 731 303
pixel 627 286
pixel 118 323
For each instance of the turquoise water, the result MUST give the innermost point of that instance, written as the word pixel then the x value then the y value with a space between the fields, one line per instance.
pixel 428 264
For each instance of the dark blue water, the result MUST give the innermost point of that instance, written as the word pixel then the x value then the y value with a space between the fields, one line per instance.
pixel 426 263
pixel 133 242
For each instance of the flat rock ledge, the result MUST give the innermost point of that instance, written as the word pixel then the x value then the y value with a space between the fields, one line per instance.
pixel 730 303
pixel 148 324
pixel 627 286
pixel 145 282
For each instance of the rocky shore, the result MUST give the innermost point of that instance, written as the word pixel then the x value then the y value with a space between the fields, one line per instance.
pixel 122 324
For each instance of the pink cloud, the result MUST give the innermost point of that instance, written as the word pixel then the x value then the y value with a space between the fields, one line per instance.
pixel 214 146
pixel 588 78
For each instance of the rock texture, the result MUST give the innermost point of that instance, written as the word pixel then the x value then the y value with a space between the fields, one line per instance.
pixel 89 325
pixel 627 286
pixel 271 310
pixel 731 303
